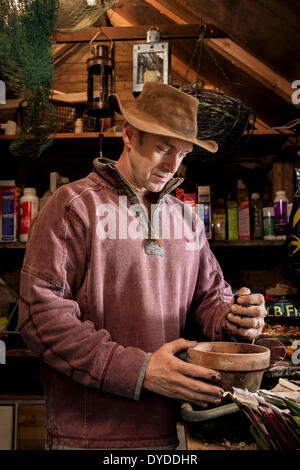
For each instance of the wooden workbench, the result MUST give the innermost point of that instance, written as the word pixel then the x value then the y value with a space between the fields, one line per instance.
pixel 197 443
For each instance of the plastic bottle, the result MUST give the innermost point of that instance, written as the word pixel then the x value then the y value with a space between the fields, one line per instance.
pixel 8 211
pixel 232 219
pixel 269 223
pixel 243 211
pixel 29 207
pixel 256 212
pixel 219 219
pixel 78 126
pixel 281 214
pixel 55 180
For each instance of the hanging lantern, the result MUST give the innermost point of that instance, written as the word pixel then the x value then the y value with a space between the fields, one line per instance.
pixel 100 82
pixel 151 61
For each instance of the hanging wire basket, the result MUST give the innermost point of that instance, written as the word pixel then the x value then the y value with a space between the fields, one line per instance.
pixel 222 118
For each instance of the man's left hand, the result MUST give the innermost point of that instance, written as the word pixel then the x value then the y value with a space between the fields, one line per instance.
pixel 246 317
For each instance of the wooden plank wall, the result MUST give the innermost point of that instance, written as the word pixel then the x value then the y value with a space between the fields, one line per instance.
pixel 71 71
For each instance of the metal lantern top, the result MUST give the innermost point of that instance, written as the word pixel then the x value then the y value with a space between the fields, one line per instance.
pixel 100 57
pixel 153 35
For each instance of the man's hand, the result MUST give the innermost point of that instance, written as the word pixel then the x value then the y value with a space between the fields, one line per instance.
pixel 172 377
pixel 246 318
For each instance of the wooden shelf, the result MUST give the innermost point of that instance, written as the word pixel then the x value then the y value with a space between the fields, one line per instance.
pixel 19 353
pixel 118 135
pixel 221 243
pixel 88 135
pixel 247 243
pixel 72 135
pixel 21 397
pixel 12 245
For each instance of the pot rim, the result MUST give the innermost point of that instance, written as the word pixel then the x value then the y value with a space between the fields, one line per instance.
pixel 248 361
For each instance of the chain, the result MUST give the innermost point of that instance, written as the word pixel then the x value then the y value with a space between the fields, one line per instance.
pixel 199 48
pixel 199 45
pixel 213 57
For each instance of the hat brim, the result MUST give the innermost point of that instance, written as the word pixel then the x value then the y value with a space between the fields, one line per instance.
pixel 144 124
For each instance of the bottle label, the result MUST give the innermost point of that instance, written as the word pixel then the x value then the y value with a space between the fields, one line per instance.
pixel 219 226
pixel 28 210
pixel 269 226
pixel 8 214
pixel 257 222
pixel 244 220
pixel 281 217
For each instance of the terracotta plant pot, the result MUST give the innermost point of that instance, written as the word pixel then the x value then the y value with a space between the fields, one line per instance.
pixel 241 364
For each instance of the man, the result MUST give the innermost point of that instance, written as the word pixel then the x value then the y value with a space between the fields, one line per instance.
pixel 105 293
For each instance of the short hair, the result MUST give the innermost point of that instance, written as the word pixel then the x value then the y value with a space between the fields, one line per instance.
pixel 141 136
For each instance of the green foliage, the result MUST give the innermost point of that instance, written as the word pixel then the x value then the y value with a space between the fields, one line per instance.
pixel 26 63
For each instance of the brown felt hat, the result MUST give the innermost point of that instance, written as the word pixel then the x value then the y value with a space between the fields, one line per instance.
pixel 163 109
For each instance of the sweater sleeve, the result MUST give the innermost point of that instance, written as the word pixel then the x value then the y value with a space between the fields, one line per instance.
pixel 212 296
pixel 50 320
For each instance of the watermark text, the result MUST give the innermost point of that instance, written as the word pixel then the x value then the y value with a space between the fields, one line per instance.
pixel 2 92
pixel 296 93
pixel 2 352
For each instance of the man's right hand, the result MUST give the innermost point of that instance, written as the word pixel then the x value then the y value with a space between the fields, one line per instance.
pixel 172 377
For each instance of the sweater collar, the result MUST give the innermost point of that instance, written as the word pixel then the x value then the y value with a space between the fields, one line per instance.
pixel 108 166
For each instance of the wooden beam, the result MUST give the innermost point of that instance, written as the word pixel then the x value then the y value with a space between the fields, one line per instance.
pixel 261 128
pixel 238 56
pixel 177 65
pixel 134 33
pixel 269 29
pixel 115 18
pixel 174 11
pixel 63 51
pixel 254 67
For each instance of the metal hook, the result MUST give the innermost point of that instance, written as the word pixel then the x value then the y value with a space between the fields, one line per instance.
pixel 201 30
pixel 103 34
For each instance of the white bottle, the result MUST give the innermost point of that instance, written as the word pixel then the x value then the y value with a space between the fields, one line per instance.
pixel 78 126
pixel 55 181
pixel 281 214
pixel 29 208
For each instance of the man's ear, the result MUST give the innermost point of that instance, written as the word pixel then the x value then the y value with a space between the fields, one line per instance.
pixel 127 133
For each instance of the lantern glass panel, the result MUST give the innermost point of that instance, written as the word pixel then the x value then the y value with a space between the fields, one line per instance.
pixel 150 67
pixel 100 84
pixel 150 63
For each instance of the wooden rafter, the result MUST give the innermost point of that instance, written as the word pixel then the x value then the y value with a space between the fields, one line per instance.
pixel 173 11
pixel 179 12
pixel 61 50
pixel 177 65
pixel 130 32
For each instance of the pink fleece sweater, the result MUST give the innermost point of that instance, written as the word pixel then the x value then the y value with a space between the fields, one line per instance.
pixel 94 309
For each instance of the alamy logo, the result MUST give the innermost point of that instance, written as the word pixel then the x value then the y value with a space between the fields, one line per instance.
pixel 2 92
pixel 2 352
pixel 296 94
pixel 120 222
pixel 296 353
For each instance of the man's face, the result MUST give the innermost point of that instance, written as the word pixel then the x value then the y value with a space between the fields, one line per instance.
pixel 154 159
